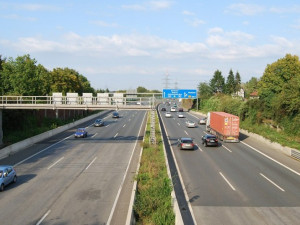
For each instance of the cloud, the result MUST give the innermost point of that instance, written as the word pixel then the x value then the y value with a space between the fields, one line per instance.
pixel 194 22
pixel 188 13
pixel 284 10
pixel 150 5
pixel 18 17
pixel 103 24
pixel 244 9
pixel 30 7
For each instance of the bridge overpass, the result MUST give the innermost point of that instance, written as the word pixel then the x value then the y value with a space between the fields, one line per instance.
pixel 103 101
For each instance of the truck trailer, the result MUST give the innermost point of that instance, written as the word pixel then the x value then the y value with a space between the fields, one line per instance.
pixel 224 125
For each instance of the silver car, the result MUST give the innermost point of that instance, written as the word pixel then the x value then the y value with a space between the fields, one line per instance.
pixel 190 124
pixel 7 175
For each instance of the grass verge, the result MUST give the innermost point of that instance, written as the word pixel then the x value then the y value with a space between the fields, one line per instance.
pixel 153 203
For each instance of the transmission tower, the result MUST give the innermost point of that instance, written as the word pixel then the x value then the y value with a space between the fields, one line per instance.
pixel 166 81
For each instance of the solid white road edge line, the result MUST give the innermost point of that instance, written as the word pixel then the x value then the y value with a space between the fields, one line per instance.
pixel 41 220
pixel 279 163
pixel 55 163
pixel 121 185
pixel 272 182
pixel 227 181
pixel 91 163
pixel 180 177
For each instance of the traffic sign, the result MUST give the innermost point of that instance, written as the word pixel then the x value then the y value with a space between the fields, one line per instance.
pixel 180 93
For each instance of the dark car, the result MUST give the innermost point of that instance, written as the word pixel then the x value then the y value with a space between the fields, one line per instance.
pixel 163 109
pixel 180 110
pixel 115 115
pixel 81 132
pixel 98 123
pixel 7 175
pixel 185 143
pixel 210 140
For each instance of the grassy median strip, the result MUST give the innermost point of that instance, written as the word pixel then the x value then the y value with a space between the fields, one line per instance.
pixel 153 203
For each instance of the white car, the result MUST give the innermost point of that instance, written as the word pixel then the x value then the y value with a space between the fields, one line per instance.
pixel 173 109
pixel 190 123
pixel 168 115
pixel 202 121
pixel 180 115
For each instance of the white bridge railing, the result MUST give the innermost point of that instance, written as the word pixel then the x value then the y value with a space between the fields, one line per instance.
pixel 139 101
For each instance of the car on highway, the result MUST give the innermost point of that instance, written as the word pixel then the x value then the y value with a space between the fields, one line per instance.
pixel 190 124
pixel 81 132
pixel 186 143
pixel 180 109
pixel 203 121
pixel 115 115
pixel 7 175
pixel 98 123
pixel 210 140
pixel 168 115
pixel 180 115
pixel 163 109
pixel 173 109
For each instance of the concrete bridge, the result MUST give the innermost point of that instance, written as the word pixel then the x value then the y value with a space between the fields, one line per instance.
pixel 103 101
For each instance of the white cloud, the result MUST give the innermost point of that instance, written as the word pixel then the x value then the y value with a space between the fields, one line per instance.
pixel 215 30
pixel 150 5
pixel 18 17
pixel 30 7
pixel 188 13
pixel 245 9
pixel 283 10
pixel 103 23
pixel 194 22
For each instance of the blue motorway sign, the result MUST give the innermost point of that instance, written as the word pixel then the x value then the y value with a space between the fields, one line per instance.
pixel 180 93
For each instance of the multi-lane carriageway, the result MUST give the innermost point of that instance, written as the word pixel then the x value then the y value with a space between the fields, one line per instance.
pixel 64 180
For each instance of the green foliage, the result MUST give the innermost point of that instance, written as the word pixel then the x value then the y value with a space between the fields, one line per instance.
pixel 230 83
pixel 153 199
pixel 278 76
pixel 251 86
pixel 217 83
pixel 204 90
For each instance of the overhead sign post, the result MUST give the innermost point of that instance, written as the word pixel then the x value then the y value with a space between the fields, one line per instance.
pixel 180 93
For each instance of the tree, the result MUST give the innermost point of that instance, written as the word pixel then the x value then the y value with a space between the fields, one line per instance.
pixel 21 76
pixel 217 83
pixel 251 86
pixel 230 83
pixel 275 76
pixel 205 90
pixel 238 81
pixel 2 61
pixel 141 90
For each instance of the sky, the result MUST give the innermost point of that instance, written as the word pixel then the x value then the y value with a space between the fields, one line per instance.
pixel 156 44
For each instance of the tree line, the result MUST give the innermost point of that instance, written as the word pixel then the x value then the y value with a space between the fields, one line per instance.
pixel 278 92
pixel 23 76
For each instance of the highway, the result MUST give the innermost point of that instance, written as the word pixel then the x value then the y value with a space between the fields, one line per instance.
pixel 64 180
pixel 234 183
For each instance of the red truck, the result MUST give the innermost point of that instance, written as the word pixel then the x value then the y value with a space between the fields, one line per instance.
pixel 223 125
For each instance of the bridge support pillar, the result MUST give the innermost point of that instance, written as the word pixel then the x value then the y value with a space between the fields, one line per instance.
pixel 1 131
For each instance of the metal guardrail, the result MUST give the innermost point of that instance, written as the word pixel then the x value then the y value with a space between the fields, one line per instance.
pixel 79 102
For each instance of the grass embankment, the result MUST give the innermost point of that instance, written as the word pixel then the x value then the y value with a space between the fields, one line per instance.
pixel 153 203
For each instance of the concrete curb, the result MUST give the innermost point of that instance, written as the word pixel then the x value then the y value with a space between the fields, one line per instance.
pixel 285 150
pixel 19 146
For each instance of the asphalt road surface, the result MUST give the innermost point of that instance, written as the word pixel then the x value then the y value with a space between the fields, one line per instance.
pixel 64 180
pixel 235 183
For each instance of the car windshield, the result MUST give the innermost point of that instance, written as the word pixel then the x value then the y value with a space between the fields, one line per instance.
pixel 187 141
pixel 80 130
pixel 98 121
